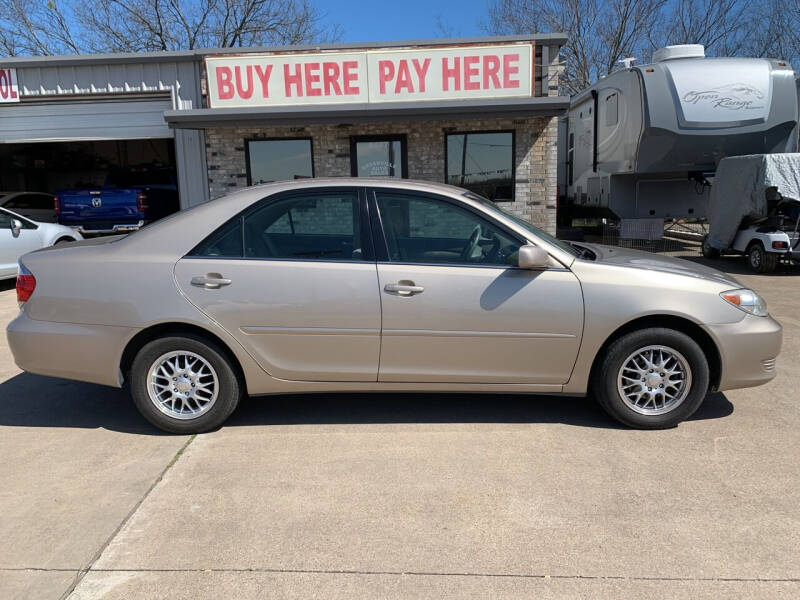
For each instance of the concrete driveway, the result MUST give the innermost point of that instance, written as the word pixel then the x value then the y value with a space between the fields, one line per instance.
pixel 401 496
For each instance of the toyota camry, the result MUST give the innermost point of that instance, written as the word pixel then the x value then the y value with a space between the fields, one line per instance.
pixel 376 285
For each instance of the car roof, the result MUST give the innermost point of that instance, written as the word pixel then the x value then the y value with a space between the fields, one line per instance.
pixel 390 182
pixel 168 235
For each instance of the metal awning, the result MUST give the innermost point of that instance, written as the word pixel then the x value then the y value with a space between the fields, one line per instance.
pixel 546 106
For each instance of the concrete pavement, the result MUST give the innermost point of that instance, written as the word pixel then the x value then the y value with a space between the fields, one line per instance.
pixel 402 496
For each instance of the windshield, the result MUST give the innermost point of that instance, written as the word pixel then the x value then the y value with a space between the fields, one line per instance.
pixel 568 248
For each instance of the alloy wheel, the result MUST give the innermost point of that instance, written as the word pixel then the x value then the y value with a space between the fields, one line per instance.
pixel 182 384
pixel 654 380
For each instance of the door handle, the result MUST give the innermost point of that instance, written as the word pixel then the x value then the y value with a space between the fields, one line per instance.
pixel 211 281
pixel 404 287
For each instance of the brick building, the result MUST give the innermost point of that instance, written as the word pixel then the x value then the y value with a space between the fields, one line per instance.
pixel 479 113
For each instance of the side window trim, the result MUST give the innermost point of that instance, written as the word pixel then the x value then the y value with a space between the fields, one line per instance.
pixel 368 251
pixel 379 237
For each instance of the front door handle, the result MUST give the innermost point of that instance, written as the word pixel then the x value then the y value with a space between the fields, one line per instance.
pixel 404 287
pixel 211 281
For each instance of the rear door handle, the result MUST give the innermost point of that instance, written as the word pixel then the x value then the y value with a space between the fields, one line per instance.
pixel 404 287
pixel 211 281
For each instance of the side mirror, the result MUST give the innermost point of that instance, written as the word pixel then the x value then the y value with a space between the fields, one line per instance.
pixel 16 227
pixel 533 257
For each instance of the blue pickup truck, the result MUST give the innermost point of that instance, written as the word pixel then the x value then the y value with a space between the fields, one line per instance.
pixel 129 199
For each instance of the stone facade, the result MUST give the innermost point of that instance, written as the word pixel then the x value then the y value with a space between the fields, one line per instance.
pixel 535 155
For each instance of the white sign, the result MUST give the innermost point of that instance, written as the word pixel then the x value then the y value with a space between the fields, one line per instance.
pixel 8 86
pixel 371 76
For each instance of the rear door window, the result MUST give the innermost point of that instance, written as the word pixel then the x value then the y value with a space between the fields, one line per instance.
pixel 322 225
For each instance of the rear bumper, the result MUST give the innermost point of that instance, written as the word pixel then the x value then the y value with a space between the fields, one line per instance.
pixel 748 351
pixel 119 228
pixel 83 352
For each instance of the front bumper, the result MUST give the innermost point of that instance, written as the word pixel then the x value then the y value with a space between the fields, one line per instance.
pixel 748 350
pixel 73 351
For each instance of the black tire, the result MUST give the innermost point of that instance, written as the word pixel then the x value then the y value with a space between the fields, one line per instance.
pixel 708 251
pixel 230 388
pixel 605 377
pixel 759 260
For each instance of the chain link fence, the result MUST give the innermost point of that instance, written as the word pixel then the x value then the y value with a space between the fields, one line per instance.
pixel 679 237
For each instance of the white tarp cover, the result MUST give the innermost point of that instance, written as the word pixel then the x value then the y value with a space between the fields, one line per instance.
pixel 739 191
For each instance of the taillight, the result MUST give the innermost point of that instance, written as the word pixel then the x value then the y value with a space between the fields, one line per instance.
pixel 26 283
pixel 780 245
pixel 57 204
pixel 141 202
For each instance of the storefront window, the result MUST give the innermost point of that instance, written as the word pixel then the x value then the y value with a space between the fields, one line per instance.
pixel 276 160
pixel 378 156
pixel 482 162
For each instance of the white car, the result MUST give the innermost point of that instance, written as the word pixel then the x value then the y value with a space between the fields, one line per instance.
pixel 19 235
pixel 38 206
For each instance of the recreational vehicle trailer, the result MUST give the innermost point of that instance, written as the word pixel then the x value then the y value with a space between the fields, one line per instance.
pixel 644 141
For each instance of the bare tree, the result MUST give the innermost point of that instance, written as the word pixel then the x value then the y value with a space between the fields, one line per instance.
pixel 78 26
pixel 722 26
pixel 600 33
pixel 778 32
pixel 36 27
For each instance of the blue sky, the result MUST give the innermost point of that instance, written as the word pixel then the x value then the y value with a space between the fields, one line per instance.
pixel 378 20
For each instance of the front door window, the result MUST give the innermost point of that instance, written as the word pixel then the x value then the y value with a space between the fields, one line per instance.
pixel 378 156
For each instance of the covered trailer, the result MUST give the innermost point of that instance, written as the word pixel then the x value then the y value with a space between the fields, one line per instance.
pixel 755 210
pixel 644 141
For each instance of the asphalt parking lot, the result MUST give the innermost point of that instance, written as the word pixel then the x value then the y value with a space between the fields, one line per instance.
pixel 400 496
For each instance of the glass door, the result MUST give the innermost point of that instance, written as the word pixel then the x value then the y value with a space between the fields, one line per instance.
pixel 378 156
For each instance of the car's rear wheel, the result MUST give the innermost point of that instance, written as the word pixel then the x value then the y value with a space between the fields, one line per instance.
pixel 184 384
pixel 652 378
pixel 759 260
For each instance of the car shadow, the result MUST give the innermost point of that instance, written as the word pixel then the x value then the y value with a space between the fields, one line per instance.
pixel 8 284
pixel 35 401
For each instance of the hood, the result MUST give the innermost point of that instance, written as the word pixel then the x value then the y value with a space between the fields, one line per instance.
pixel 648 261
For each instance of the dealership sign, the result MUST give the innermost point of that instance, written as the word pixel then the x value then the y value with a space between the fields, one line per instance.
pixel 8 86
pixel 370 76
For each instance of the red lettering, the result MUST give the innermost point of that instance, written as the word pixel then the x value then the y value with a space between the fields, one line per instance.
pixel 5 84
pixel 292 79
pixel 453 73
pixel 263 76
pixel 403 78
pixel 312 77
pixel 348 67
pixel 491 66
pixel 330 78
pixel 243 92
pixel 422 71
pixel 224 85
pixel 385 73
pixel 472 73
pixel 510 69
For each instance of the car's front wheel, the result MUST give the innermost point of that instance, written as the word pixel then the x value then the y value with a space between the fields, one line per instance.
pixel 652 378
pixel 184 384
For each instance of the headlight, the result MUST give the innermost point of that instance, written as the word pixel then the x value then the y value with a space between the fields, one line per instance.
pixel 746 300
